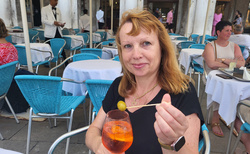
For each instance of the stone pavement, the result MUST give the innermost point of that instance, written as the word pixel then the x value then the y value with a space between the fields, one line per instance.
pixel 42 136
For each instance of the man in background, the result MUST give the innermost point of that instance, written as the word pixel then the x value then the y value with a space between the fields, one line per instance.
pixel 85 21
pixel 52 20
pixel 99 17
pixel 241 39
pixel 170 25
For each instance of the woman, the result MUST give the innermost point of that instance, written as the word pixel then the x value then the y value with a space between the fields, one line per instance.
pixel 8 52
pixel 239 19
pixel 227 52
pixel 217 18
pixel 150 75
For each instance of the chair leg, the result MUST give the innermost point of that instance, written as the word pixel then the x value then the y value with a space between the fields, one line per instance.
pixel 93 117
pixel 237 141
pixel 230 138
pixel 29 132
pixel 207 121
pixel 11 109
pixel 37 69
pixel 1 137
pixel 69 129
pixel 198 91
pixel 90 111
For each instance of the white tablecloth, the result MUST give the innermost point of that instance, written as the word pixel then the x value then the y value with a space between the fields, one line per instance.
pixel 96 37
pixel 17 37
pixel 189 54
pixel 226 92
pixel 76 40
pixel 173 37
pixel 38 56
pixel 175 43
pixel 89 69
pixel 110 52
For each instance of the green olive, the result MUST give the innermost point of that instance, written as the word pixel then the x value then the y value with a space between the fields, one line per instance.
pixel 121 105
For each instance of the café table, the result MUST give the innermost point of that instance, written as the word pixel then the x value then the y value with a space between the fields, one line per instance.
pixel 76 41
pixel 227 93
pixel 17 37
pixel 187 55
pixel 110 52
pixel 36 55
pixel 89 69
pixel 175 45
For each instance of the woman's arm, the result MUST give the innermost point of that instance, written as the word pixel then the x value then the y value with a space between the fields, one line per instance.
pixel 209 57
pixel 171 124
pixel 94 134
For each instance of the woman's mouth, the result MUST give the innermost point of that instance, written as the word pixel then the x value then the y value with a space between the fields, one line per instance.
pixel 138 66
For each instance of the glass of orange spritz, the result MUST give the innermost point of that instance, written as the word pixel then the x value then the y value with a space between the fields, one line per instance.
pixel 117 134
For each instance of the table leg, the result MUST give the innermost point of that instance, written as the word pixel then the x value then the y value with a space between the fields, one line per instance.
pixel 230 137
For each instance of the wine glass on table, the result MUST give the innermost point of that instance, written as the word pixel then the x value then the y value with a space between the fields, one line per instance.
pixel 117 134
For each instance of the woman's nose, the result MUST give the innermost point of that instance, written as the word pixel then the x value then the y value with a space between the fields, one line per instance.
pixel 137 53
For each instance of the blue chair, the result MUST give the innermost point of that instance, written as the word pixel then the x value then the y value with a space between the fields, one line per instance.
pixel 22 59
pixel 245 127
pixel 173 34
pixel 182 38
pixel 197 46
pixel 44 95
pixel 97 90
pixel 84 56
pixel 205 141
pixel 98 52
pixel 6 76
pixel 65 31
pixel 186 44
pixel 41 35
pixel 104 43
pixel 103 35
pixel 68 45
pixel 111 39
pixel 85 38
pixel 33 35
pixel 242 48
pixel 9 39
pixel 206 38
pixel 76 30
pixel 116 58
pixel 194 37
pixel 17 27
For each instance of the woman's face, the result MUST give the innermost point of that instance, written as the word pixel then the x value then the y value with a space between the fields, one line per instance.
pixel 142 53
pixel 225 33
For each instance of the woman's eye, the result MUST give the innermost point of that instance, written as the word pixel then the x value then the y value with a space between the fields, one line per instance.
pixel 146 43
pixel 127 46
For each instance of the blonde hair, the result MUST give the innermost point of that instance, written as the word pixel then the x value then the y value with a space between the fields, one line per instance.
pixel 170 78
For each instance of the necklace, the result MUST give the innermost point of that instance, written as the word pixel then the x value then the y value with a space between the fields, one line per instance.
pixel 135 103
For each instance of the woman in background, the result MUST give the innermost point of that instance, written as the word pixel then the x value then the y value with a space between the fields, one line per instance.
pixel 217 18
pixel 8 52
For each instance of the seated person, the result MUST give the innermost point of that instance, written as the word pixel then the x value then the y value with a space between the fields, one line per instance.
pixel 219 54
pixel 241 39
pixel 150 75
pixel 8 52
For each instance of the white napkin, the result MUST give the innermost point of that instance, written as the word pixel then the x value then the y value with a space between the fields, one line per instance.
pixel 246 75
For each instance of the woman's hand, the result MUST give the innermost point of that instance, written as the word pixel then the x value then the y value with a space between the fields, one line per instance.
pixel 170 122
pixel 103 150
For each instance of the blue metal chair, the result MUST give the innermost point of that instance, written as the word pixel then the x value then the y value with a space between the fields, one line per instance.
pixel 103 35
pixel 41 35
pixel 22 59
pixel 242 48
pixel 68 44
pixel 97 90
pixel 98 52
pixel 182 38
pixel 173 34
pixel 197 46
pixel 33 35
pixel 77 30
pixel 116 58
pixel 9 39
pixel 206 38
pixel 6 76
pixel 104 43
pixel 44 95
pixel 194 37
pixel 65 31
pixel 111 39
pixel 84 56
pixel 205 142
pixel 85 38
pixel 186 44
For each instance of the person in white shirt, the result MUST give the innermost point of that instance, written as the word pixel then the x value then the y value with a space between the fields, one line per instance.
pixel 241 39
pixel 84 21
pixel 99 17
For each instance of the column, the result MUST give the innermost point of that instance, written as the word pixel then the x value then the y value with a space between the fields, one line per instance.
pixel 130 4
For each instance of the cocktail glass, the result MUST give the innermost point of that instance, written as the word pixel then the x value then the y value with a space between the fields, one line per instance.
pixel 117 134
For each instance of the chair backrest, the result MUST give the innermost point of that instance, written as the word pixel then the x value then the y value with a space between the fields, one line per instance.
pixel 182 38
pixel 103 35
pixel 116 58
pixel 97 90
pixel 107 43
pixel 84 56
pixel 173 34
pixel 111 39
pixel 85 37
pixel 22 59
pixel 242 48
pixel 98 52
pixel 194 37
pixel 186 44
pixel 68 42
pixel 206 37
pixel 197 46
pixel 43 93
pixel 9 39
pixel 57 45
pixel 205 142
pixel 65 31
pixel 6 76
pixel 33 35
pixel 77 30
pixel 41 35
